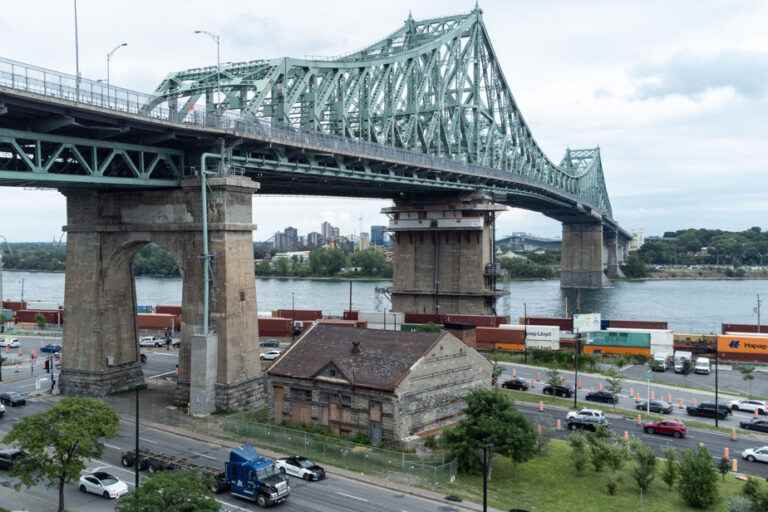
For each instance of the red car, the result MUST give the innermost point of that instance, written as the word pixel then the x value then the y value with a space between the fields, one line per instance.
pixel 666 427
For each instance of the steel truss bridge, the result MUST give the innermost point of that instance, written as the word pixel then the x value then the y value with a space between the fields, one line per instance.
pixel 425 110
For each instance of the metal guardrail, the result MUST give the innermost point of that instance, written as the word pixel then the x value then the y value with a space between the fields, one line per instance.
pixel 53 84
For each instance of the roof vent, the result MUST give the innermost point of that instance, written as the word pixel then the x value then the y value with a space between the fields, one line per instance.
pixel 355 347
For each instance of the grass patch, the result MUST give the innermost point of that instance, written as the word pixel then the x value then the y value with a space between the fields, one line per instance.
pixel 548 484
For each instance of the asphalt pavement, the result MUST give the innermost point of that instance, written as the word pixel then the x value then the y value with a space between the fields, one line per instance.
pixel 679 397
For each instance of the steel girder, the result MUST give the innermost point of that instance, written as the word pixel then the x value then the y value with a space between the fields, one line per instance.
pixel 45 159
pixel 433 86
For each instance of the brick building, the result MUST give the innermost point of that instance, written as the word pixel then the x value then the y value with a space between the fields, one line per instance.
pixel 385 384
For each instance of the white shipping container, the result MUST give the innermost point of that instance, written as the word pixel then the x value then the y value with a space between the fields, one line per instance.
pixel 516 327
pixel 542 336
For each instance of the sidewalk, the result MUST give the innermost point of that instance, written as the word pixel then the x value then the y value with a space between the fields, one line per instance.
pixel 158 412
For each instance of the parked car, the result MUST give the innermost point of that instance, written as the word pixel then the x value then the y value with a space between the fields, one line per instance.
pixel 103 484
pixel 269 344
pixel 588 419
pixel 13 398
pixel 10 343
pixel 748 406
pixel 756 454
pixel 672 428
pixel 703 366
pixel 708 410
pixel 9 457
pixel 515 383
pixel 270 355
pixel 758 424
pixel 300 467
pixel 657 406
pixel 51 348
pixel 563 391
pixel 605 397
pixel 151 341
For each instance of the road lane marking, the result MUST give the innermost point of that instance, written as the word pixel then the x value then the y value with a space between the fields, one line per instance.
pixel 112 446
pixel 351 497
pixel 204 455
pixel 150 441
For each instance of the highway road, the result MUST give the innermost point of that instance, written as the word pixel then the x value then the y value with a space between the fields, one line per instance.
pixel 591 382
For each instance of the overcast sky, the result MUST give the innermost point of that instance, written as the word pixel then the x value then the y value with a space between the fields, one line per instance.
pixel 674 93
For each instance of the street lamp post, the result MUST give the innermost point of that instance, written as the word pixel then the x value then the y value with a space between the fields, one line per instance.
pixel 109 58
pixel 77 56
pixel 486 449
pixel 717 372
pixel 217 40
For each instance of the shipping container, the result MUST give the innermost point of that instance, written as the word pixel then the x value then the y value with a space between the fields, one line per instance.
pixel 542 336
pixel 14 305
pixel 168 309
pixel 350 315
pixel 638 324
pixel 344 323
pixel 510 347
pixel 620 339
pixel 565 324
pixel 485 346
pixel 743 328
pixel 752 344
pixel 277 327
pixel 662 341
pixel 498 335
pixel 625 350
pixel 144 309
pixel 156 321
pixel 52 316
pixel 476 320
pixel 298 314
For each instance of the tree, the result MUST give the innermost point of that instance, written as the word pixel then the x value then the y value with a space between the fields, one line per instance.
pixel 554 378
pixel 372 262
pixel 698 478
pixel 748 374
pixel 579 459
pixel 615 382
pixel 489 418
pixel 599 452
pixel 670 471
pixel 41 321
pixel 60 440
pixel 644 470
pixel 634 267
pixel 171 491
pixel 327 261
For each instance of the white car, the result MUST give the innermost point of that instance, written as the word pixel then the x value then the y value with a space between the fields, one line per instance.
pixel 103 484
pixel 300 467
pixel 270 355
pixel 749 406
pixel 585 414
pixel 10 343
pixel 756 454
pixel 150 341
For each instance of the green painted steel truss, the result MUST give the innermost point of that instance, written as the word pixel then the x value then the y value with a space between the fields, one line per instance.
pixel 44 159
pixel 433 86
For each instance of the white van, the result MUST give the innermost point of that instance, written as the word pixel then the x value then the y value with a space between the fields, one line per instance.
pixel 702 366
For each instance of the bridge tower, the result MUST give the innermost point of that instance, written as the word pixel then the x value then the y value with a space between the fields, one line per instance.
pixel 105 229
pixel 443 255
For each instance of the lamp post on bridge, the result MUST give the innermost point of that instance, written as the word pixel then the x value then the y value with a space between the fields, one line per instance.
pixel 217 40
pixel 77 56
pixel 109 58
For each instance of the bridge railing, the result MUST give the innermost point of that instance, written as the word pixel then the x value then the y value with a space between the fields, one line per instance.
pixel 25 77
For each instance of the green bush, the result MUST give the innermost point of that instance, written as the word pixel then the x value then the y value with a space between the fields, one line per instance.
pixel 579 458
pixel 698 479
pixel 644 470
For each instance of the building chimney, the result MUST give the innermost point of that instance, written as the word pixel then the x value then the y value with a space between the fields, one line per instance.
pixel 355 347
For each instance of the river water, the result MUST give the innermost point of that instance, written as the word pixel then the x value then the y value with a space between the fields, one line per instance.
pixel 688 306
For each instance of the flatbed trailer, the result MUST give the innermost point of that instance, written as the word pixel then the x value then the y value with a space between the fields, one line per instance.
pixel 152 461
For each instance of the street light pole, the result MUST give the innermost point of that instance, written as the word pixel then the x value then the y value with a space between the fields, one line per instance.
pixel 717 372
pixel 77 56
pixel 576 373
pixel 109 58
pixel 217 40
pixel 486 449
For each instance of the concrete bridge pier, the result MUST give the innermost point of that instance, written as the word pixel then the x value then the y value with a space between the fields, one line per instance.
pixel 105 229
pixel 615 253
pixel 581 256
pixel 443 254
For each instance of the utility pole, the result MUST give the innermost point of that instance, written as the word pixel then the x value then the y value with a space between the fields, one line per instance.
pixel 350 298
pixel 717 372
pixel 293 316
pixel 576 373
pixel 136 447
pixel 486 461
pixel 77 56
pixel 525 332
pixel 757 309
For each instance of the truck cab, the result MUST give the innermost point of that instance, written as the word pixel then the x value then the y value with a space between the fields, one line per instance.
pixel 254 477
pixel 660 362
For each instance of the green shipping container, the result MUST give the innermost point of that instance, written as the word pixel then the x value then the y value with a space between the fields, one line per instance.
pixel 619 339
pixel 420 327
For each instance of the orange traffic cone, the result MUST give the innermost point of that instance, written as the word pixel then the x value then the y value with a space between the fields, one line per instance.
pixel 626 436
pixel 734 464
pixel 541 406
pixel 733 433
pixel 557 424
pixel 726 453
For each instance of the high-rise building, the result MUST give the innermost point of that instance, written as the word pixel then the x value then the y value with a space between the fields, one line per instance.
pixel 329 232
pixel 377 235
pixel 363 242
pixel 278 241
pixel 314 239
pixel 291 238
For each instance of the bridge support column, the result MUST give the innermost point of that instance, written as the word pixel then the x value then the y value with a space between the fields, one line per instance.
pixel 615 251
pixel 443 254
pixel 105 231
pixel 581 256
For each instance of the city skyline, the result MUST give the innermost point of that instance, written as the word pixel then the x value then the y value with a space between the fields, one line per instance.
pixel 676 113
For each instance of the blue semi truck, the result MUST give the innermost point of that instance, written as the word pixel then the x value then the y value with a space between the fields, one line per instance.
pixel 246 475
